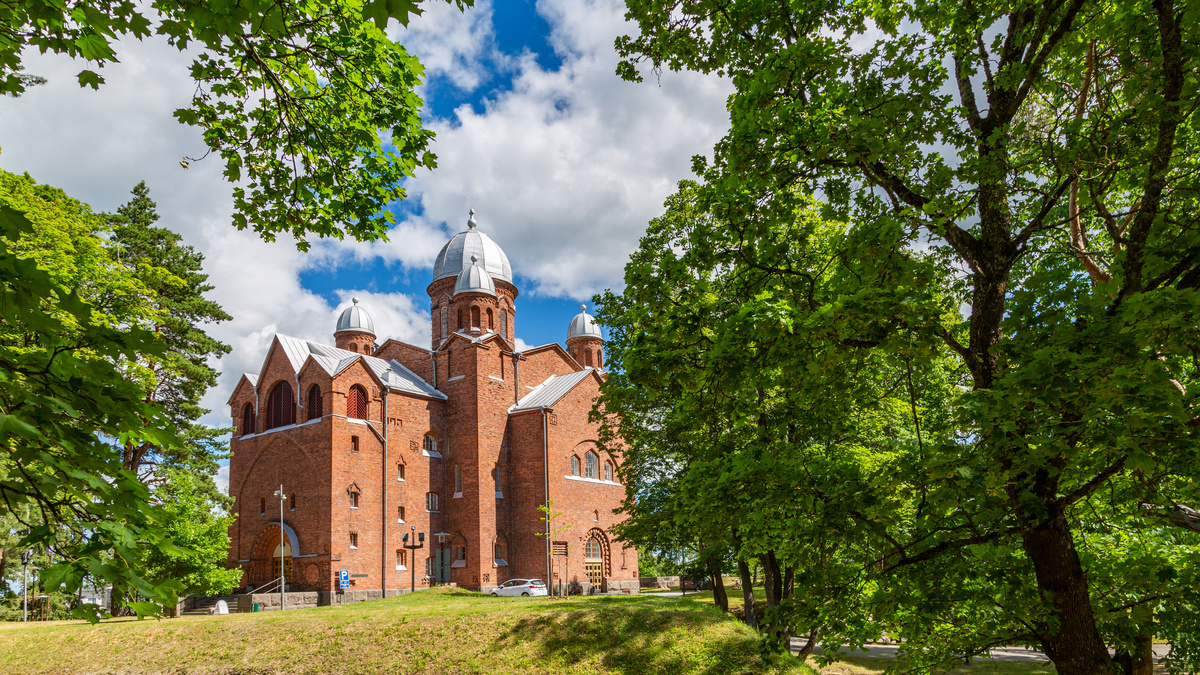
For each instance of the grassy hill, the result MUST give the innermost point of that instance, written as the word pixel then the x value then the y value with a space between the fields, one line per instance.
pixel 440 631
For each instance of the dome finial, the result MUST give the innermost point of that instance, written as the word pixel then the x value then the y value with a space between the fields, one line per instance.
pixel 474 260
pixel 583 308
pixel 471 224
pixel 354 300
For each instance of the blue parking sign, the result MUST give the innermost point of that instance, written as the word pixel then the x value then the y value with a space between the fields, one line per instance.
pixel 343 579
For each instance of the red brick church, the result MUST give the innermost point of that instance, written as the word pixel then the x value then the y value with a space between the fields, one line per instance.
pixel 462 441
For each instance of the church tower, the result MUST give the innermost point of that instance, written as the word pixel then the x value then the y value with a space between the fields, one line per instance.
pixel 584 341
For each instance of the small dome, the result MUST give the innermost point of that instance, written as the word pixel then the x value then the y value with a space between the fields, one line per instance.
pixel 354 318
pixel 455 256
pixel 583 325
pixel 474 279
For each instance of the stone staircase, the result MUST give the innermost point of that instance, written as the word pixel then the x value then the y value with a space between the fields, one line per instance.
pixel 202 606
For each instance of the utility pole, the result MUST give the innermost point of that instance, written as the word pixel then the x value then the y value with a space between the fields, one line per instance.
pixel 413 545
pixel 282 571
pixel 26 556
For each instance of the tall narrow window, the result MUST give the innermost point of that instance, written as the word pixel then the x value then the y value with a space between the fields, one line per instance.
pixel 491 326
pixel 591 465
pixel 353 540
pixel 457 479
pixel 474 317
pixel 401 558
pixel 316 406
pixel 292 502
pixel 281 406
pixel 574 466
pixel 431 501
pixel 496 475
pixel 429 567
pixel 445 320
pixel 262 506
pixel 248 419
pixel 354 444
pixel 400 514
pixel 595 516
pixel 354 500
pixel 400 472
pixel 608 471
pixel 460 317
pixel 504 323
pixel 356 403
pixel 587 358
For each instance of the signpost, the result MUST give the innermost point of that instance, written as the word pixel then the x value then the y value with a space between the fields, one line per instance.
pixel 343 579
pixel 282 572
pixel 413 545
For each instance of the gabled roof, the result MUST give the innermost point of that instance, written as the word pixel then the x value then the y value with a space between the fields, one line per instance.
pixel 547 393
pixel 249 378
pixel 481 338
pixel 392 374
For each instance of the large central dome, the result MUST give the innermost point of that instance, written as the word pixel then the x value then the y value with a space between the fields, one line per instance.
pixel 457 253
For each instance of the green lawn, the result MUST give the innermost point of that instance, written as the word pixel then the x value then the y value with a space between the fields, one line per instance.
pixel 440 631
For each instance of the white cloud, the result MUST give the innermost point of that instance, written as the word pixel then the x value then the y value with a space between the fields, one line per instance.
pixel 565 169
pixel 222 479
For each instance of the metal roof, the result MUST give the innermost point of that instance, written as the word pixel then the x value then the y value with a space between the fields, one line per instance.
pixel 455 256
pixel 583 325
pixel 393 374
pixel 474 279
pixel 354 318
pixel 547 393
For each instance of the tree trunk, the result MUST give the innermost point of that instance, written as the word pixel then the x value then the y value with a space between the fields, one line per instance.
pixel 1075 647
pixel 768 581
pixel 747 593
pixel 789 582
pixel 718 583
pixel 809 646
pixel 1141 661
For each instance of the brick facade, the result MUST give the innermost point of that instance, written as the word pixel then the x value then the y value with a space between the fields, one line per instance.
pixel 345 480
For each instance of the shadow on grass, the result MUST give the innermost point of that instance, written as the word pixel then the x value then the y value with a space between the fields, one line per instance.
pixel 638 637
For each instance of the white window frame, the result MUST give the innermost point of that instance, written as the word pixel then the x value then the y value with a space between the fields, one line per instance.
pixel 431 499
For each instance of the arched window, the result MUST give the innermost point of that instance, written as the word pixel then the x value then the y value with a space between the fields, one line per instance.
pixel 474 317
pixel 316 406
pixel 460 317
pixel 491 326
pixel 593 550
pixel 591 465
pixel 281 406
pixel 587 358
pixel 574 465
pixel 248 419
pixel 431 501
pixel 356 403
pixel 504 323
pixel 431 446
pixel 595 516
pixel 353 347
pixel 445 320
pixel 608 472
pixel 400 471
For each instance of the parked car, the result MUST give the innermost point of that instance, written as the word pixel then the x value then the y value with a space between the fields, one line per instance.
pixel 525 587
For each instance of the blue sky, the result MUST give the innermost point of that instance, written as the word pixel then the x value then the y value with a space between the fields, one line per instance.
pixel 563 162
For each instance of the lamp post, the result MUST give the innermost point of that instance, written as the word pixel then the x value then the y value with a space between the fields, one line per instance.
pixel 413 545
pixel 282 572
pixel 26 556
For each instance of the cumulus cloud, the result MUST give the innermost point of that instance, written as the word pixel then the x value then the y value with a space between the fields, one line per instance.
pixel 565 168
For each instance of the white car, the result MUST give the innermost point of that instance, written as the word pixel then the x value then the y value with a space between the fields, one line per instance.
pixel 525 587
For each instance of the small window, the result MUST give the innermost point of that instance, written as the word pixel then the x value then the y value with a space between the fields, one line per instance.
pixel 429 567
pixel 431 446
pixel 496 475
pixel 262 506
pixel 431 501
pixel 608 472
pixel 591 465
pixel 356 403
pixel 457 479
pixel 400 514
pixel 461 553
pixel 574 466
pixel 399 472
pixel 354 444
pixel 354 500
pixel 474 317
pixel 491 326
pixel 248 419
pixel 504 323
pixel 460 318
pixel 587 358
pixel 353 540
pixel 499 552
pixel 316 405
pixel 292 502
pixel 401 558
pixel 595 516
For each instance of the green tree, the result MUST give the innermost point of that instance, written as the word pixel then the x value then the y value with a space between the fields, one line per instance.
pixel 1042 155
pixel 201 532
pixel 308 103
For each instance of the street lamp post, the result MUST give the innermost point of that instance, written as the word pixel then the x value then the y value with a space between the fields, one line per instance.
pixel 282 572
pixel 413 545
pixel 26 556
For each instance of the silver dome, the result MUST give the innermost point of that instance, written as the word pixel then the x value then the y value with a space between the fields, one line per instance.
pixel 354 318
pixel 583 325
pixel 474 279
pixel 455 256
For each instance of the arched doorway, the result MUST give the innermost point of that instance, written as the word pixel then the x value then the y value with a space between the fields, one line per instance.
pixel 266 564
pixel 595 557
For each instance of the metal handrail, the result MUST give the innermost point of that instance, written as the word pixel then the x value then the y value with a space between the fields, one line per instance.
pixel 271 586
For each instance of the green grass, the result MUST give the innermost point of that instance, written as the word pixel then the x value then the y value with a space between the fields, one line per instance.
pixel 440 631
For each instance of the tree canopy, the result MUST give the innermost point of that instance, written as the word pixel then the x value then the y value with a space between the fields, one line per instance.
pixel 1018 187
